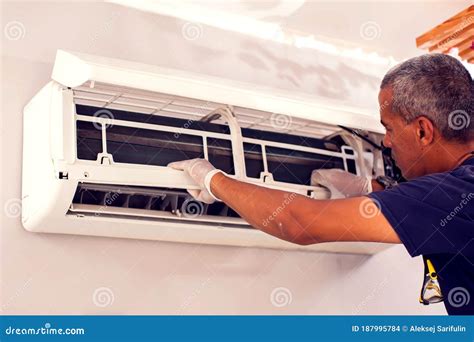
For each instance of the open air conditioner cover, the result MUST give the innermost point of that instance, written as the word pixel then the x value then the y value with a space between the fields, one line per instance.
pixel 98 137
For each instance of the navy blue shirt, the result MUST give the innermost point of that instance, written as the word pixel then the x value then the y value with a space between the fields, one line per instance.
pixel 433 216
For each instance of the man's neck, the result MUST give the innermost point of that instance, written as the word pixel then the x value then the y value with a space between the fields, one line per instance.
pixel 448 156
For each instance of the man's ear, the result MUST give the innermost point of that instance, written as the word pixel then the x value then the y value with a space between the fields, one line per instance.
pixel 425 130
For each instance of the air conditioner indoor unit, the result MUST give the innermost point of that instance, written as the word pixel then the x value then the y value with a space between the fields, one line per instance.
pixel 98 137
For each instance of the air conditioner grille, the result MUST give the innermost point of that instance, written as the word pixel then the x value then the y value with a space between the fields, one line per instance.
pixel 109 96
pixel 149 202
pixel 291 159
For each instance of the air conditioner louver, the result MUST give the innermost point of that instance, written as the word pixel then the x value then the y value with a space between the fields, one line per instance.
pixel 149 204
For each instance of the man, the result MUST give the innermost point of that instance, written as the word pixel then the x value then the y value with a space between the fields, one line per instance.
pixel 426 106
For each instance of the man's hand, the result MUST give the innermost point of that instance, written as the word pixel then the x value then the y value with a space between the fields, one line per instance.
pixel 201 171
pixel 341 183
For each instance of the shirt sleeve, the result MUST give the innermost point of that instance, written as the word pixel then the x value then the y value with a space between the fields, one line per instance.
pixel 431 214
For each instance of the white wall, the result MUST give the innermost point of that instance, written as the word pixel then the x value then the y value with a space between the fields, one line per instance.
pixel 59 274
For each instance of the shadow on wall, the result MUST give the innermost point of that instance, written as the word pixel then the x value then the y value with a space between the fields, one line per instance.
pixel 332 83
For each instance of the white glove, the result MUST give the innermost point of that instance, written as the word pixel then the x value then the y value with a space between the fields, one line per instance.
pixel 342 183
pixel 201 171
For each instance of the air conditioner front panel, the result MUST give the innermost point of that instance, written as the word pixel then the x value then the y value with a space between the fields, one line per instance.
pixel 180 232
pixel 290 160
pixel 73 69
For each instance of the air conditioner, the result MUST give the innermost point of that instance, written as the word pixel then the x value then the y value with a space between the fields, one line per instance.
pixel 98 137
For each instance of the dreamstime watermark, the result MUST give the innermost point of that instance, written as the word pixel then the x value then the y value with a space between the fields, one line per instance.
pixel 194 294
pixel 370 296
pixel 110 198
pixel 458 296
pixel 106 26
pixel 186 125
pixel 14 30
pixel 464 23
pixel 280 297
pixel 202 110
pixel 46 330
pixel 370 30
pixel 102 297
pixel 192 208
pixel 459 119
pixel 105 117
pixel 18 293
pixel 191 31
pixel 280 208
pixel 12 208
pixel 384 105
pixel 462 204
pixel 369 208
pixel 280 121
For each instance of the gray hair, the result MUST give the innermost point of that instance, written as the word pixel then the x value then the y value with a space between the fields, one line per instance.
pixel 438 87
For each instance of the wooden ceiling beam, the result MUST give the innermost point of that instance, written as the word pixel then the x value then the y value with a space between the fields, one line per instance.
pixel 453 40
pixel 455 32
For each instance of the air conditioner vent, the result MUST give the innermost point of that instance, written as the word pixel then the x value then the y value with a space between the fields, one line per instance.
pixel 149 203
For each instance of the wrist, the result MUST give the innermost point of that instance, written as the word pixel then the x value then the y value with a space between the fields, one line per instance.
pixel 207 181
pixel 386 182
pixel 376 186
pixel 370 187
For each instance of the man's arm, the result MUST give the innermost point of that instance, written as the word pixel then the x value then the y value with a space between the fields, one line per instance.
pixel 303 220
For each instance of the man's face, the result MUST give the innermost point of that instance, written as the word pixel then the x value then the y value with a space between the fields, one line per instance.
pixel 401 138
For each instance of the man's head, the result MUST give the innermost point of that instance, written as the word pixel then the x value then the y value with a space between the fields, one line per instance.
pixel 426 106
